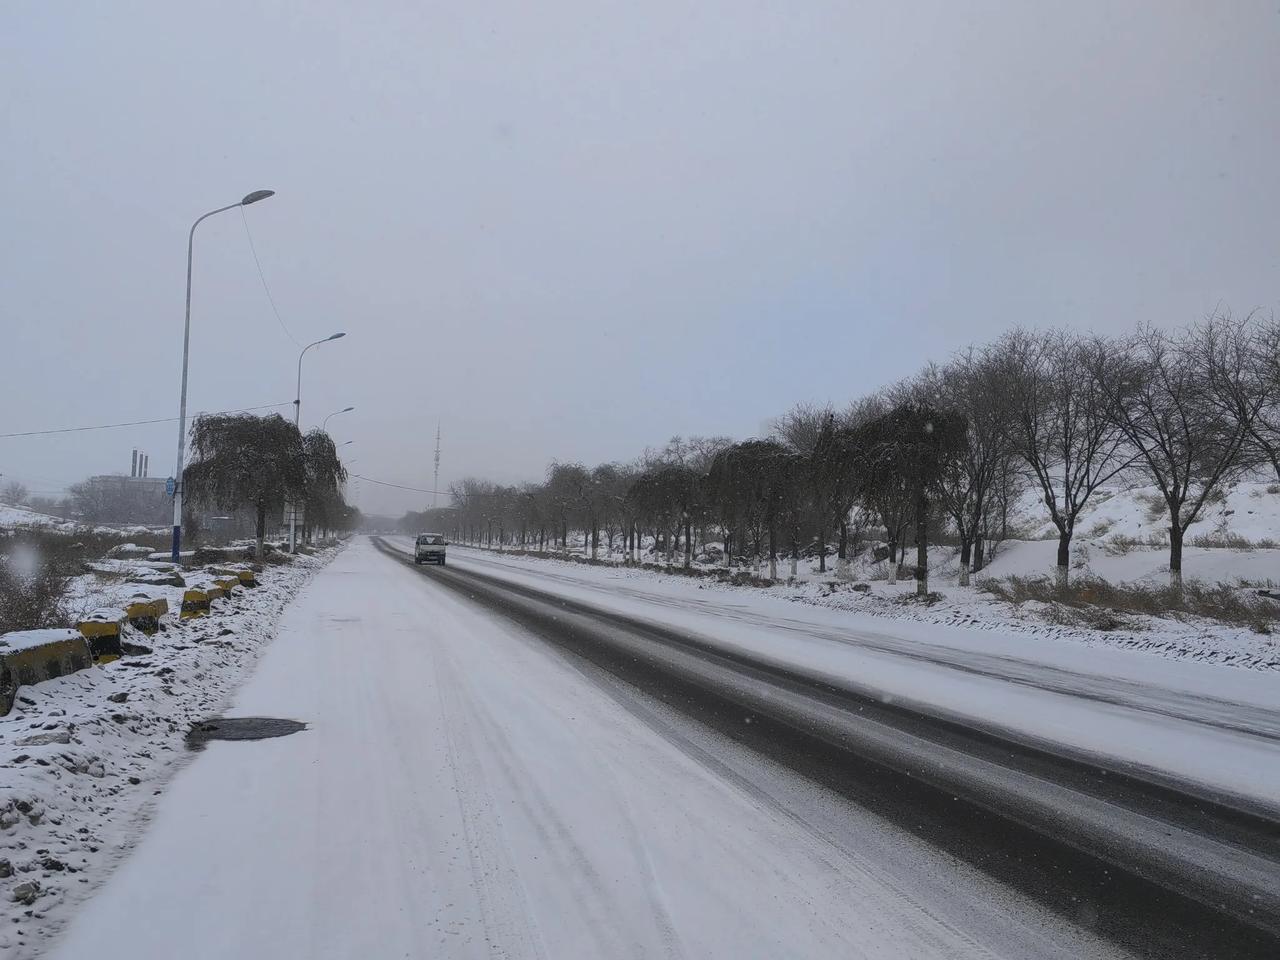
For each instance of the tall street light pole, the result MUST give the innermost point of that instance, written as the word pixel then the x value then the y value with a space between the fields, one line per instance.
pixel 297 397
pixel 324 424
pixel 186 353
pixel 297 422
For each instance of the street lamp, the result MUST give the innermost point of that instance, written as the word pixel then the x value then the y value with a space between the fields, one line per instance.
pixel 325 423
pixel 186 352
pixel 297 397
pixel 297 421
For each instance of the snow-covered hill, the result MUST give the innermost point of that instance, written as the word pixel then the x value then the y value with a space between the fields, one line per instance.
pixel 1248 511
pixel 20 518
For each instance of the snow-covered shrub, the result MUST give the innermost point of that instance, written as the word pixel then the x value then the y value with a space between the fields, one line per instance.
pixel 1086 600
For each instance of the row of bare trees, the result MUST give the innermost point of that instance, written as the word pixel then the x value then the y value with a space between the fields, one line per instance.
pixel 948 451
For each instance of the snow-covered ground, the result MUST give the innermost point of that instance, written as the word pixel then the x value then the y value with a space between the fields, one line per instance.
pixel 1193 721
pixel 1190 638
pixel 83 757
pixel 1249 510
pixel 463 791
pixel 21 518
pixel 1118 542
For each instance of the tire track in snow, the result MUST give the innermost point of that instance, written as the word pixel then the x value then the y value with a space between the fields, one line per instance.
pixel 510 926
pixel 556 836
pixel 1179 705
pixel 760 794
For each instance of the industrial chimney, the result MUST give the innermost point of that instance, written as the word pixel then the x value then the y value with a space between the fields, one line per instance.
pixel 133 470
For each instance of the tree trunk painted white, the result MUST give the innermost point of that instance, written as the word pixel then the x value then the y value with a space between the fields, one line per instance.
pixel 842 569
pixel 893 571
pixel 794 566
pixel 773 568
pixel 964 574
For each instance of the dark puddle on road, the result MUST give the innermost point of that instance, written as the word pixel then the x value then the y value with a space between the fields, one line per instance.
pixel 240 728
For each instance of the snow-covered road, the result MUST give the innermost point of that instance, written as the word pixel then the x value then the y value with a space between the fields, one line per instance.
pixel 1192 722
pixel 464 790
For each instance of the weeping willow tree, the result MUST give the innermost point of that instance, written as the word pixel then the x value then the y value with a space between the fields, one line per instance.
pixel 325 507
pixel 908 449
pixel 243 460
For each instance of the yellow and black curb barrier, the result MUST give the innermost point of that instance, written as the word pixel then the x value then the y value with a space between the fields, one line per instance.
pixel 228 584
pixel 102 631
pixel 29 656
pixel 236 576
pixel 145 615
pixel 195 603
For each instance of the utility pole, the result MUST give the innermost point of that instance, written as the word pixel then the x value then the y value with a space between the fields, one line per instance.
pixel 435 482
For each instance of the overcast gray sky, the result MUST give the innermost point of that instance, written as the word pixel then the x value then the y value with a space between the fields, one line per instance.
pixel 573 229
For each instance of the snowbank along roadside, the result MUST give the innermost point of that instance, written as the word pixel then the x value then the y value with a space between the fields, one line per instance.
pixel 83 757
pixel 1188 638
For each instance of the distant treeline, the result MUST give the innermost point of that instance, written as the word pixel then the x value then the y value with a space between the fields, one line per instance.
pixel 1057 412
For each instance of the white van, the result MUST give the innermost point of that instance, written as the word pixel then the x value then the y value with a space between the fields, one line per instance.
pixel 429 548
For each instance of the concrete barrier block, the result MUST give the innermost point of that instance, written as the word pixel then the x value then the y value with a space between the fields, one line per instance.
pixel 102 629
pixel 30 656
pixel 145 614
pixel 195 602
pixel 160 578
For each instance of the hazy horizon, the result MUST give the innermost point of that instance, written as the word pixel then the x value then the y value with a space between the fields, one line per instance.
pixel 574 232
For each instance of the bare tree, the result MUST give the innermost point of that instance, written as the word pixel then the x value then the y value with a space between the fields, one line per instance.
pixel 568 487
pixel 93 502
pixel 1187 404
pixel 800 428
pixel 605 488
pixel 14 493
pixel 836 488
pixel 1059 384
pixel 51 506
pixel 1264 433
pixel 972 386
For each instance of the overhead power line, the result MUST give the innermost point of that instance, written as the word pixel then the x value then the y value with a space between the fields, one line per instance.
pixel 263 277
pixel 399 486
pixel 137 423
pixel 445 493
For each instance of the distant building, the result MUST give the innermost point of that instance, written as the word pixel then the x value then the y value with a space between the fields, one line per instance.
pixel 125 500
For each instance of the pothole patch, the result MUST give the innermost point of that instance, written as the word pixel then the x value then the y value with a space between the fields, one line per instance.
pixel 240 728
